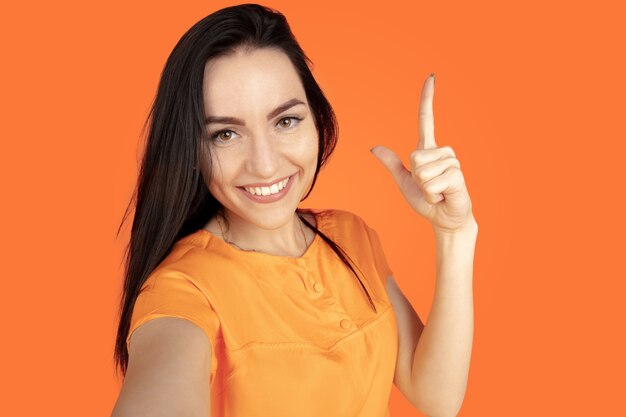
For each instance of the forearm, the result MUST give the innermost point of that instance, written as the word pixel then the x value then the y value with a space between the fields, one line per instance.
pixel 442 356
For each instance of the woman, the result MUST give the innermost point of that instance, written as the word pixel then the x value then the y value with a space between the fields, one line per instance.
pixel 237 302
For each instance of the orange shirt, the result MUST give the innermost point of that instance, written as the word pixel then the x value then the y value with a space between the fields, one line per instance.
pixel 289 336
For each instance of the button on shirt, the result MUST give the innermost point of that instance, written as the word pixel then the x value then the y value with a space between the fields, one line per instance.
pixel 289 336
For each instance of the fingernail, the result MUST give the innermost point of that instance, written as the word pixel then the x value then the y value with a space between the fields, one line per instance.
pixel 433 76
pixel 371 149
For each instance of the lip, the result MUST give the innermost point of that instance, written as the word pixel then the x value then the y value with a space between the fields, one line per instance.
pixel 266 184
pixel 272 197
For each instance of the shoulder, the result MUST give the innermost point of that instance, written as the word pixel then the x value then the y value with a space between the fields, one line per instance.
pixel 197 255
pixel 346 227
pixel 342 219
pixel 351 227
pixel 169 357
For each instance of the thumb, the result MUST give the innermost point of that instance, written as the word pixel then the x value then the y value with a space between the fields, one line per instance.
pixel 393 163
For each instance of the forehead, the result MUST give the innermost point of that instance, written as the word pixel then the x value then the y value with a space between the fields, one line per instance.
pixel 249 81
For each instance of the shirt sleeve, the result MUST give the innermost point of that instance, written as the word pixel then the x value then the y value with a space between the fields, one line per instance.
pixel 171 293
pixel 380 260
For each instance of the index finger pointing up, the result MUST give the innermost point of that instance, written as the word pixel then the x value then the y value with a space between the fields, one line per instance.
pixel 425 117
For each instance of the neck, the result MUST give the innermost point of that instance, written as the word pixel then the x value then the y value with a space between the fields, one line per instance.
pixel 284 240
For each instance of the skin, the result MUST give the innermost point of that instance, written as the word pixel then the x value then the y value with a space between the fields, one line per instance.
pixel 249 85
pixel 433 360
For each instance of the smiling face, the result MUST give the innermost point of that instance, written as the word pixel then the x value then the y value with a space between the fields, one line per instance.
pixel 261 131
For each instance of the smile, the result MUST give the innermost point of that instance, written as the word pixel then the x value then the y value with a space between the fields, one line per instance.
pixel 272 189
pixel 269 194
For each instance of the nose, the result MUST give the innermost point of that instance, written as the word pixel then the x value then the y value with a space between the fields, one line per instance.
pixel 263 157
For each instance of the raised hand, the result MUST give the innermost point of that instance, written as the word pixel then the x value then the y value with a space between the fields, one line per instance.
pixel 435 186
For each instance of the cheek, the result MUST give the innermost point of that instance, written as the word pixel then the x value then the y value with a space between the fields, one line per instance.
pixel 314 146
pixel 308 140
pixel 304 153
pixel 214 167
pixel 309 146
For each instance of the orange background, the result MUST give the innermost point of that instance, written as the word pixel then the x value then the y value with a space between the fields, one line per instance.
pixel 530 96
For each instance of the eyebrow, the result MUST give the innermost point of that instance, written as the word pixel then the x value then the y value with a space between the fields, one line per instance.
pixel 235 121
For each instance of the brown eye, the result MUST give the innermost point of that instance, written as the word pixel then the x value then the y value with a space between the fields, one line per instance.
pixel 221 136
pixel 289 121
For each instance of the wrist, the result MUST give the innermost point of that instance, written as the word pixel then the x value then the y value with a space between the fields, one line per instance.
pixel 468 229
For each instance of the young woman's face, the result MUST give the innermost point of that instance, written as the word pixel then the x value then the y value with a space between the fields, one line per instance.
pixel 261 132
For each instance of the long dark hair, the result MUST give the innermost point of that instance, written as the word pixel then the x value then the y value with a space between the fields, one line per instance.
pixel 172 200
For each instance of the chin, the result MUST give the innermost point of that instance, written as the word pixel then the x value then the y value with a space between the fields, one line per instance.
pixel 269 219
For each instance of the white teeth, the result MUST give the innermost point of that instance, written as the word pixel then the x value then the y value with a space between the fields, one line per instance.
pixel 273 189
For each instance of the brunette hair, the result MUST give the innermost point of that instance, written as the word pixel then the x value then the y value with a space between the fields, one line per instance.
pixel 172 199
